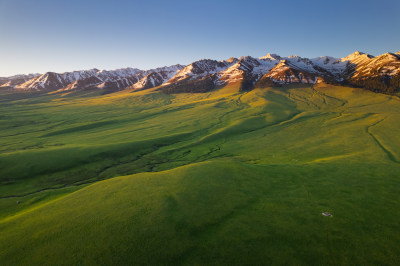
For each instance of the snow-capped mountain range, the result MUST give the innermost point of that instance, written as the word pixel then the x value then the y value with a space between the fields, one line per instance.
pixel 381 74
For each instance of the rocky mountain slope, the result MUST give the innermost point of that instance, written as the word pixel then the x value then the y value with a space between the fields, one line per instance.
pixel 380 74
pixel 11 82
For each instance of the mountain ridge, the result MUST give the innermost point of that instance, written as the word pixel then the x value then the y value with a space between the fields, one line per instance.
pixel 379 74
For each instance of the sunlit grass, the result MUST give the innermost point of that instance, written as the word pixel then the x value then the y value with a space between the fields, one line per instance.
pixel 225 177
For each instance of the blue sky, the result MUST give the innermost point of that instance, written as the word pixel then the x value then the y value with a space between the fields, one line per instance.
pixel 55 35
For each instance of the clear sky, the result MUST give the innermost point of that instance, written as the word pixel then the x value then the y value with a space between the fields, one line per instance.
pixel 53 35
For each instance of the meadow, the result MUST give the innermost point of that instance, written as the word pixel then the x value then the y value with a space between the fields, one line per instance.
pixel 226 177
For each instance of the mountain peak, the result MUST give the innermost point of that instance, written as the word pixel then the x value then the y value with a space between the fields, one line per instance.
pixel 271 57
pixel 356 55
pixel 231 60
pixel 388 56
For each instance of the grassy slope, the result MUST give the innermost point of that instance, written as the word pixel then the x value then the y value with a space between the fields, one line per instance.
pixel 250 175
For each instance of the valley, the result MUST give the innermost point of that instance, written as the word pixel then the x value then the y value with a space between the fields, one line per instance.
pixel 225 176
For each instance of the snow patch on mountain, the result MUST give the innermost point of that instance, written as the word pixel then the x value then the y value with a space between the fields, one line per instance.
pixel 199 69
pixel 156 77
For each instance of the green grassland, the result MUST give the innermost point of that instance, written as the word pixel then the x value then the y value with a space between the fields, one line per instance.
pixel 227 177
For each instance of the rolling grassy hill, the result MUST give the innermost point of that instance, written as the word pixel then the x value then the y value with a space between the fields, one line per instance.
pixel 225 177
